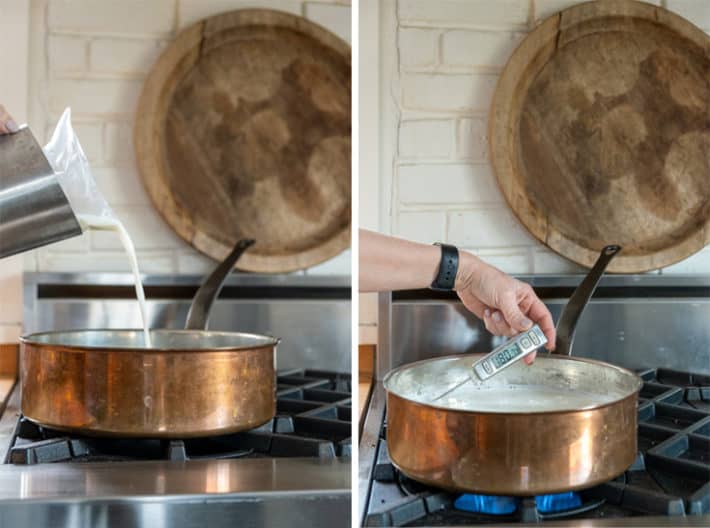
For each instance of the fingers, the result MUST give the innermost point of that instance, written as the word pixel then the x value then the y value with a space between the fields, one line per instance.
pixel 539 313
pixel 7 124
pixel 472 303
pixel 530 358
pixel 515 318
pixel 495 323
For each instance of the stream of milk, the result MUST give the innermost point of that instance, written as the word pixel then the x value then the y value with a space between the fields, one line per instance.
pixel 102 223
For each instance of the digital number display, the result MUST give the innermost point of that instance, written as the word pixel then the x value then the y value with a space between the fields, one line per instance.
pixel 505 355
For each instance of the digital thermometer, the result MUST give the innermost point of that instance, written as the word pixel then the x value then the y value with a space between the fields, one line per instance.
pixel 509 352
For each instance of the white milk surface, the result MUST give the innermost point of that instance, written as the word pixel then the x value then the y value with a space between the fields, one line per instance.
pixel 520 398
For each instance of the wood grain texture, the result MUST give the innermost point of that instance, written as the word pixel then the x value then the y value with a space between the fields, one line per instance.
pixel 243 131
pixel 600 134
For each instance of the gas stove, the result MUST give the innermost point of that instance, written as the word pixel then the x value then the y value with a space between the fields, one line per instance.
pixel 671 474
pixel 652 324
pixel 293 469
pixel 313 420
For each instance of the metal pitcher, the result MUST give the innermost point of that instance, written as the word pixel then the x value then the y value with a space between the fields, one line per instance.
pixel 34 211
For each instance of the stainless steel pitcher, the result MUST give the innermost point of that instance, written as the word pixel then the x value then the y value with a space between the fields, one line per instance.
pixel 34 211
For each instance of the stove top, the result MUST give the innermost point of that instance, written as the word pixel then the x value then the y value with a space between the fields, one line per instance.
pixel 670 477
pixel 313 417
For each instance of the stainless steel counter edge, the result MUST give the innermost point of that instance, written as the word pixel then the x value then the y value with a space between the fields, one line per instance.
pixel 168 480
pixel 216 493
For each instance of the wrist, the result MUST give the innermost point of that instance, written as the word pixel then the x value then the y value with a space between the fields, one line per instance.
pixel 469 265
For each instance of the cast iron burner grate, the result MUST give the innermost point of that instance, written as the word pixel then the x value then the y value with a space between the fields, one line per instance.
pixel 313 416
pixel 671 474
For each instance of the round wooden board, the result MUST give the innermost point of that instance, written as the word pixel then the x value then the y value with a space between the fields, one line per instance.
pixel 600 134
pixel 243 131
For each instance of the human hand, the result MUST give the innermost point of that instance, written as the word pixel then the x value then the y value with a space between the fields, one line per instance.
pixel 7 124
pixel 506 305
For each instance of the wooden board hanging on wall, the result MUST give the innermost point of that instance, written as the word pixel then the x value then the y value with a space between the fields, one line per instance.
pixel 600 134
pixel 243 131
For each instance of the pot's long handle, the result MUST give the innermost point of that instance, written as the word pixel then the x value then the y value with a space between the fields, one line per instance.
pixel 204 298
pixel 567 322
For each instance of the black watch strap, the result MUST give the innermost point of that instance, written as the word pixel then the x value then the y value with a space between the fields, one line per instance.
pixel 448 266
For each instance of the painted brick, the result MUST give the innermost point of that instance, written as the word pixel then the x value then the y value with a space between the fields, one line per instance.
pixel 546 261
pixel 338 265
pixel 698 263
pixel 367 334
pixel 95 97
pixel 335 18
pixel 121 186
pixel 478 48
pixel 123 56
pixel 77 244
pixel 104 261
pixel 426 139
pixel 452 93
pixel 67 55
pixel 472 140
pixel 367 309
pixel 546 8
pixel 29 261
pixel 516 262
pixel 458 13
pixel 90 135
pixel 113 16
pixel 487 228
pixel 118 144
pixel 190 11
pixel 11 288
pixel 447 184
pixel 146 228
pixel 697 11
pixel 10 333
pixel 418 47
pixel 426 227
pixel 194 263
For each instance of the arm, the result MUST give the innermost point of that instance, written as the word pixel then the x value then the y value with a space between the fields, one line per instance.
pixel 7 124
pixel 506 305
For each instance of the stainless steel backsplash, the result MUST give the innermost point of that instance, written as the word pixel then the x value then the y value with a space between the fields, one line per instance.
pixel 644 321
pixel 310 314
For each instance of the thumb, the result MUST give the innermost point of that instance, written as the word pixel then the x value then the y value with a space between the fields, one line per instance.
pixel 512 314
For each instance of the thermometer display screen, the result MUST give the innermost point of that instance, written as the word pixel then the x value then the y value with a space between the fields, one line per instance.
pixel 505 355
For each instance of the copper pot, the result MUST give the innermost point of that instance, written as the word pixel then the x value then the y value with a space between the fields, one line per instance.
pixel 560 424
pixel 515 452
pixel 190 383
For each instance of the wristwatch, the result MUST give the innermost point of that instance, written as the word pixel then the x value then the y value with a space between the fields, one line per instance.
pixel 448 266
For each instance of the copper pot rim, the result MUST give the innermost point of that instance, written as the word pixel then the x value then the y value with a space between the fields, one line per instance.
pixel 31 339
pixel 633 394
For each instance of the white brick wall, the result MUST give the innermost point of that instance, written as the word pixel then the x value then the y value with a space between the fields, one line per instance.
pixel 447 55
pixel 457 13
pixel 94 55
pixel 112 16
pixel 483 49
